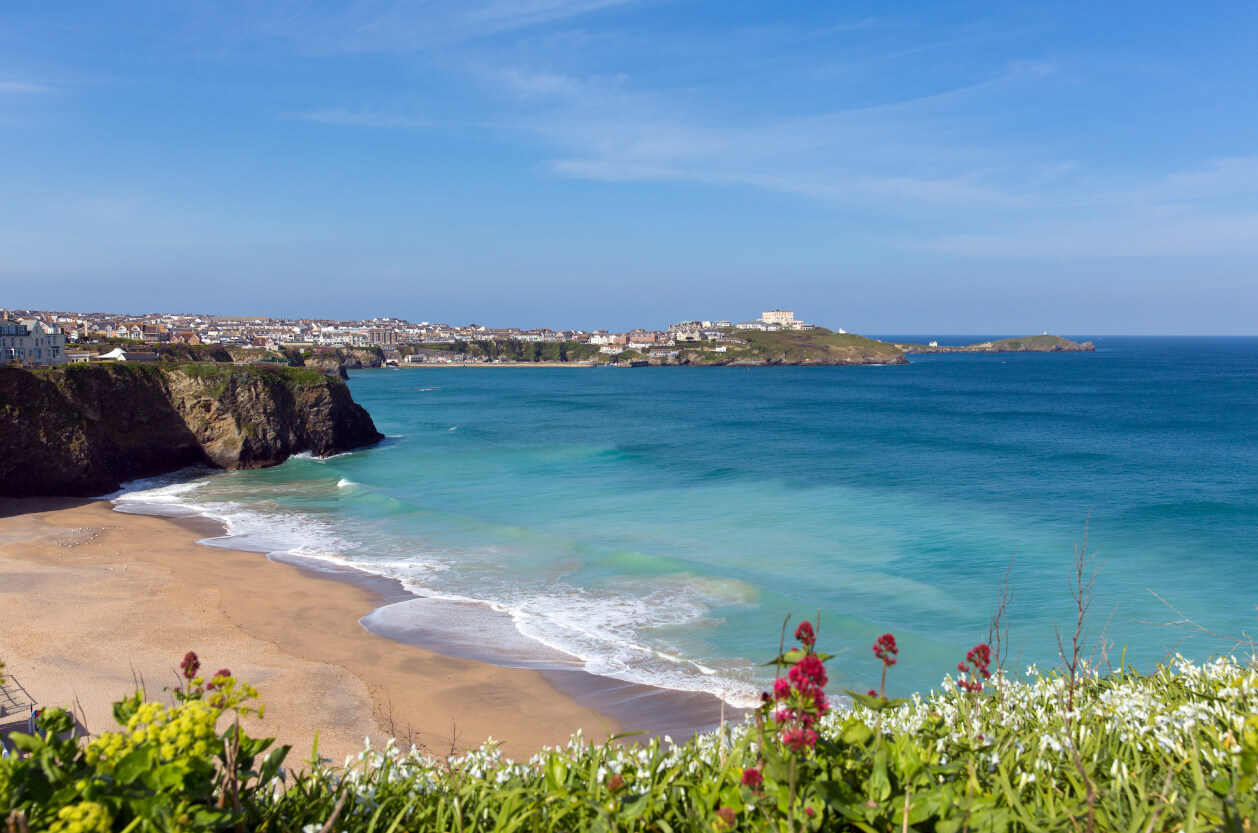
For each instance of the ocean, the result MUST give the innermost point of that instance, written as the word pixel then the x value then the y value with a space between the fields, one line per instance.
pixel 657 525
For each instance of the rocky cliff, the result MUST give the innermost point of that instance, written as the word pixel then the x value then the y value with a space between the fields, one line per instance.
pixel 339 359
pixel 84 429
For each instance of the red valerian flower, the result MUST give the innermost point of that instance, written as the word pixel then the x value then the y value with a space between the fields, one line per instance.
pixel 809 670
pixel 781 688
pixel 980 656
pixel 728 816
pixel 615 782
pixel 799 739
pixel 752 777
pixel 804 634
pixel 190 665
pixel 885 649
pixel 873 693
pixel 979 660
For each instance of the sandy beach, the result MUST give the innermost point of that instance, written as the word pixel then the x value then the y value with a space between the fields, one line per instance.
pixel 92 600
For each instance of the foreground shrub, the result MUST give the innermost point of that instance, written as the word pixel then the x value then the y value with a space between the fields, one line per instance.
pixel 1176 749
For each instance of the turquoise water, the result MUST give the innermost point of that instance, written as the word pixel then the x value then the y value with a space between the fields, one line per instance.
pixel 658 524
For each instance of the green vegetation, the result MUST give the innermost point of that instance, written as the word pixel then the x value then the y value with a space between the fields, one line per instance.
pixel 292 376
pixel 817 346
pixel 166 352
pixel 1071 750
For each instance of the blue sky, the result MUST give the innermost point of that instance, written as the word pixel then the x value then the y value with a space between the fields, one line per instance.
pixel 884 167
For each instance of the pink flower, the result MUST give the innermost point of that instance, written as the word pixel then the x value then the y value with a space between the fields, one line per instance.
pixel 190 665
pixel 728 816
pixel 781 688
pixel 979 659
pixel 805 635
pixel 752 778
pixel 808 670
pixel 885 649
pixel 799 739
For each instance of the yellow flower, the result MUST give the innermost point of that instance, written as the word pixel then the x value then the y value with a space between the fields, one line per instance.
pixel 84 817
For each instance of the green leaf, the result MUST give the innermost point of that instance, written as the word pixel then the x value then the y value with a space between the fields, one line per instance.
pixel 857 734
pixel 879 780
pixel 55 721
pixel 632 808
pixel 789 658
pixel 134 764
pixel 272 764
pixel 836 794
pixel 30 744
pixel 125 708
pixel 167 776
pixel 874 702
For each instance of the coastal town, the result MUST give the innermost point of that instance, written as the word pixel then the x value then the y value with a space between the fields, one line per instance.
pixel 45 338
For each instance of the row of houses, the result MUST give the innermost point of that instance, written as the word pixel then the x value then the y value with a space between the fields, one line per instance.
pixel 45 336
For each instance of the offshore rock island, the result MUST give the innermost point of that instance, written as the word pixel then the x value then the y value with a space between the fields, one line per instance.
pixel 1026 344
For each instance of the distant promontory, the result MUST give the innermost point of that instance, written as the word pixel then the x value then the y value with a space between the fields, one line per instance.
pixel 1023 344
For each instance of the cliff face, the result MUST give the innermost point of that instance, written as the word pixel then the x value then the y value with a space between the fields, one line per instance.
pixel 336 360
pixel 84 429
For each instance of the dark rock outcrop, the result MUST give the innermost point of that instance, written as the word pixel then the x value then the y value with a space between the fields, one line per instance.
pixel 337 360
pixel 85 429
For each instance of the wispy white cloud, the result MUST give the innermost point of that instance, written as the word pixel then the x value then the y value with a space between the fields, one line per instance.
pixel 362 118
pixel 877 155
pixel 1126 234
pixel 22 87
pixel 400 26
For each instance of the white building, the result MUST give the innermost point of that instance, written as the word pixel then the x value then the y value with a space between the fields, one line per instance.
pixel 32 343
pixel 783 318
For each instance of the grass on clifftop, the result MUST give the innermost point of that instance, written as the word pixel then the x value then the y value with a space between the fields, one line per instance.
pixel 813 345
pixel 222 371
pixel 292 376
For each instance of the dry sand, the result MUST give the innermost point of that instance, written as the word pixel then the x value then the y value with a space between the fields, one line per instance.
pixel 92 600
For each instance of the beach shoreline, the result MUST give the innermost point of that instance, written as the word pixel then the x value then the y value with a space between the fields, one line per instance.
pixel 433 365
pixel 95 599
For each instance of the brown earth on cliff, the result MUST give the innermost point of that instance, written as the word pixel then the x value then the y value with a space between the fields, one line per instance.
pixel 84 429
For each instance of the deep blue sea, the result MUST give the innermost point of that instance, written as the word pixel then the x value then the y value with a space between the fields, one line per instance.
pixel 657 524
